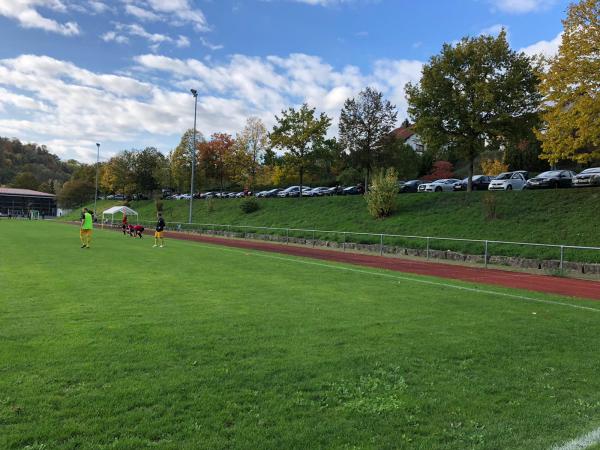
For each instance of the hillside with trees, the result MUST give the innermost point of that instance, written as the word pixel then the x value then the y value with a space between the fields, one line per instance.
pixel 32 166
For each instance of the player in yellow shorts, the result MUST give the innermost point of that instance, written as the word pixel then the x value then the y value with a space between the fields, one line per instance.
pixel 160 229
pixel 85 233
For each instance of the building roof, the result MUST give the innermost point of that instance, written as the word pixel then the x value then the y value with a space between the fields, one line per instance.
pixel 402 133
pixel 24 192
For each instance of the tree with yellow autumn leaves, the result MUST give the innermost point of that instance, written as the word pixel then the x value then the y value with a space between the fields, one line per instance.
pixel 571 88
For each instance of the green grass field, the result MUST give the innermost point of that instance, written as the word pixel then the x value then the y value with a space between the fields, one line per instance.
pixel 568 217
pixel 197 346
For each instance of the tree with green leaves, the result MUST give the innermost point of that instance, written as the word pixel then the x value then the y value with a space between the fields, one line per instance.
pixel 571 88
pixel 180 161
pixel 299 132
pixel 25 180
pixel 365 124
pixel 251 145
pixel 118 173
pixel 473 95
pixel 148 170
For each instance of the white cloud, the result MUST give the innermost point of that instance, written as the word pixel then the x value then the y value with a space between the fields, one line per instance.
pixel 176 12
pixel 124 32
pixel 26 13
pixel 112 36
pixel 544 48
pixel 70 108
pixel 494 30
pixel 141 13
pixel 521 6
pixel 182 41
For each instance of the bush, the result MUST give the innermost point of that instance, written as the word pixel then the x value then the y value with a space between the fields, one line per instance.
pixel 382 195
pixel 490 206
pixel 210 205
pixel 249 205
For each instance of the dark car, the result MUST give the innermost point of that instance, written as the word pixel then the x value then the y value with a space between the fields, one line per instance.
pixel 551 179
pixel 587 178
pixel 352 190
pixel 271 193
pixel 410 186
pixel 480 183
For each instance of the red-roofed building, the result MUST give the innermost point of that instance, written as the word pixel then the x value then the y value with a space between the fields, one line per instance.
pixel 410 138
pixel 19 202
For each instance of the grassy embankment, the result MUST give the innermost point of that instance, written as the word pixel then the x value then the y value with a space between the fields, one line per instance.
pixel 570 217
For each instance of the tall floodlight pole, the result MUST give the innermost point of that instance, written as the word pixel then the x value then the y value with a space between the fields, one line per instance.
pixel 195 94
pixel 97 167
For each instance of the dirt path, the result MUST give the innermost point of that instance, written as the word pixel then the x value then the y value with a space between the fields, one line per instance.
pixel 540 283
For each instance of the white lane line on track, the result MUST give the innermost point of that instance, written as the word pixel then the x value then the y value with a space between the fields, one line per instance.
pixel 400 277
pixel 581 442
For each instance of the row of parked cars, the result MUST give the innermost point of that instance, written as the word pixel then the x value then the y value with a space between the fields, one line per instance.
pixel 321 191
pixel 292 191
pixel 508 181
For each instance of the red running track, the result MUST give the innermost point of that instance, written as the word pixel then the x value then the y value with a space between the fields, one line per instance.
pixel 540 283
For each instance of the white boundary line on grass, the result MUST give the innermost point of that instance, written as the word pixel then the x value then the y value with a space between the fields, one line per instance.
pixel 403 278
pixel 581 442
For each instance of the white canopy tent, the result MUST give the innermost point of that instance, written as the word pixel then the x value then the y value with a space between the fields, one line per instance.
pixel 116 210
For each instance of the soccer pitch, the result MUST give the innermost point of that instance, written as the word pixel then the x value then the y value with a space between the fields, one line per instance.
pixel 199 346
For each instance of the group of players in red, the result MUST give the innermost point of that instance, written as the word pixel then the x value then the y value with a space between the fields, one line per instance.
pixel 132 230
pixel 138 230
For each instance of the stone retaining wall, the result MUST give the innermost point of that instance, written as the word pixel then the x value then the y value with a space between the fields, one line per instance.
pixel 552 266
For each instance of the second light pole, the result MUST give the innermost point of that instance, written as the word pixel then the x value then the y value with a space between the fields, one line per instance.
pixel 195 94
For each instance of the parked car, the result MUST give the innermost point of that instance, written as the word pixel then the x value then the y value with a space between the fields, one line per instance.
pixel 587 178
pixel 509 181
pixel 318 192
pixel 208 194
pixel 272 193
pixel 443 185
pixel 479 183
pixel 352 190
pixel 410 186
pixel 422 187
pixel 292 191
pixel 551 179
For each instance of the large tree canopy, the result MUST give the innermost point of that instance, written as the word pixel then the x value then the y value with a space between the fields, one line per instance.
pixel 299 132
pixel 365 124
pixel 571 86
pixel 475 94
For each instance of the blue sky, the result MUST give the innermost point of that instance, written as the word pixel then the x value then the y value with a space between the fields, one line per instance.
pixel 77 72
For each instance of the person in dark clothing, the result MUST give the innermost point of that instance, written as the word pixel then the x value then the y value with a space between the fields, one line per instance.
pixel 158 234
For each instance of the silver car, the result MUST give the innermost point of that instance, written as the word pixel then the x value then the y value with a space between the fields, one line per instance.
pixel 443 185
pixel 509 181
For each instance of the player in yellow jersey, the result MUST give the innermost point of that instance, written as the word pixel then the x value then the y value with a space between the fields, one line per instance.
pixel 160 229
pixel 85 233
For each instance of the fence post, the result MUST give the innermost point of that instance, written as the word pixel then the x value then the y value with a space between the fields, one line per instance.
pixel 381 246
pixel 313 238
pixel 428 248
pixel 287 235
pixel 344 242
pixel 485 256
pixel 562 256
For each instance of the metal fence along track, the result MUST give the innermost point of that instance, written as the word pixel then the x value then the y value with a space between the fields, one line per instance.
pixel 381 239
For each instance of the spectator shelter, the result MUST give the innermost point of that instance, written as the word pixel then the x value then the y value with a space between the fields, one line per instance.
pixel 124 210
pixel 21 202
